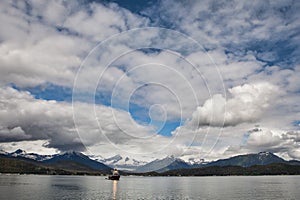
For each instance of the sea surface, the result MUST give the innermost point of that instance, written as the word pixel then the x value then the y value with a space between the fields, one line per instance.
pixel 35 187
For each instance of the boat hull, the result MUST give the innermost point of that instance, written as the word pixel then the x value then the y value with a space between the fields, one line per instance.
pixel 114 177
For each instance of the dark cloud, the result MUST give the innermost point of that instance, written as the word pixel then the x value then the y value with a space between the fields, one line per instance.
pixel 24 118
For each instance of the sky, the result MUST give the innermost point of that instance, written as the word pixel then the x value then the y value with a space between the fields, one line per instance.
pixel 148 79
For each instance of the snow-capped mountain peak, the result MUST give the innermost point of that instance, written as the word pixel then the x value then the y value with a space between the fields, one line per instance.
pixel 120 162
pixel 113 160
pixel 18 152
pixel 195 161
pixel 23 154
pixel 264 153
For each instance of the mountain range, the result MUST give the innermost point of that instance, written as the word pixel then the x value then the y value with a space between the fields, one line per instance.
pixel 78 163
pixel 248 160
pixel 23 154
pixel 65 163
pixel 79 158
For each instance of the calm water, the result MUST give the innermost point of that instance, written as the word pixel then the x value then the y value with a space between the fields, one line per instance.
pixel 88 187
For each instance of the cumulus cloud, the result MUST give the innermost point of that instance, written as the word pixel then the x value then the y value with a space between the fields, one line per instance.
pixel 29 119
pixel 39 46
pixel 263 139
pixel 245 103
pixel 294 153
pixel 25 118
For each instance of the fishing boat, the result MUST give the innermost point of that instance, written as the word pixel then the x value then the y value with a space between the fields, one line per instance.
pixel 115 175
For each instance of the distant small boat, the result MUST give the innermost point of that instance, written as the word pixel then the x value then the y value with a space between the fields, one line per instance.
pixel 115 175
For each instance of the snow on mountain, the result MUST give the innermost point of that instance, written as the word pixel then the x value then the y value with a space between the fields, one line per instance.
pixel 193 160
pixel 117 161
pixel 23 154
pixel 95 157
pixel 156 164
pixel 113 160
pixel 196 161
pixel 120 162
pixel 263 155
pixel 171 163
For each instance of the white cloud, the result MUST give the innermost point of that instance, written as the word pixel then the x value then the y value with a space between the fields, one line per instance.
pixel 26 118
pixel 263 139
pixel 36 146
pixel 294 153
pixel 245 103
pixel 99 22
pixel 34 51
